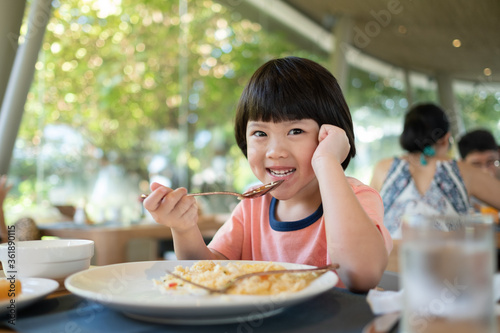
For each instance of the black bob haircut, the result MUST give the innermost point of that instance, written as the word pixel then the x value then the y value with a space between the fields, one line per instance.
pixel 293 88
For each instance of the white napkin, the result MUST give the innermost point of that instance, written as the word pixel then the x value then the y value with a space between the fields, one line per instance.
pixel 387 301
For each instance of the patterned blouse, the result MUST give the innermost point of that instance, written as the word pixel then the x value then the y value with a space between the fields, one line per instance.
pixel 446 195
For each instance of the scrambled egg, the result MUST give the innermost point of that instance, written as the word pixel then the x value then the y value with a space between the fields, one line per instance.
pixel 215 275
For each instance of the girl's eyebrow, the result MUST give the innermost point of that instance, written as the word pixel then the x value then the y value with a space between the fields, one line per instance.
pixel 257 124
pixel 292 122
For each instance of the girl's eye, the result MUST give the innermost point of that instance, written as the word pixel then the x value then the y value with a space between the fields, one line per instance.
pixel 259 133
pixel 296 131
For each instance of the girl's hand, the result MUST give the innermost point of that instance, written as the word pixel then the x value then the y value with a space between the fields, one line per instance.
pixel 332 142
pixel 172 208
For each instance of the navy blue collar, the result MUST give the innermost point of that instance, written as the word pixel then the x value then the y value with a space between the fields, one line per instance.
pixel 292 225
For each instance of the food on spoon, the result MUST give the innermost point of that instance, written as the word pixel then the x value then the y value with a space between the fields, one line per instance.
pixel 215 275
pixel 9 289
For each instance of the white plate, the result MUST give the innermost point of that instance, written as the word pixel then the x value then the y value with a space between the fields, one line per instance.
pixel 129 288
pixel 33 289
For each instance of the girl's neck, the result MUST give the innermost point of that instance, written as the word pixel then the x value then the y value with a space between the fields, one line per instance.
pixel 299 207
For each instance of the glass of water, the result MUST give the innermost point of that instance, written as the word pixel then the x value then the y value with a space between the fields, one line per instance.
pixel 447 266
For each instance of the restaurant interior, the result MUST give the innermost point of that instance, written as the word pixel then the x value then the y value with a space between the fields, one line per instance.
pixel 100 98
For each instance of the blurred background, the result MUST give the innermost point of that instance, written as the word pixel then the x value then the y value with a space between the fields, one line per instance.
pixel 127 92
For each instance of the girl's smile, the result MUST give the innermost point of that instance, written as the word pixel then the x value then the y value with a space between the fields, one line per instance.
pixel 280 173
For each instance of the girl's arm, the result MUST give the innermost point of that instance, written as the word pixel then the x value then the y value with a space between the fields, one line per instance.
pixel 353 239
pixel 174 209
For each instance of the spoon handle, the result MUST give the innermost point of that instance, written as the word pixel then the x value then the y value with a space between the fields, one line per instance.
pixel 144 196
pixel 213 193
pixel 254 193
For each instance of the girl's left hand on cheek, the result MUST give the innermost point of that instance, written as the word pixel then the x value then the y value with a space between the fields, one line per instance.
pixel 332 141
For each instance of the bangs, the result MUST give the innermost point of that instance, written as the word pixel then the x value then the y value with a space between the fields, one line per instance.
pixel 278 108
pixel 282 93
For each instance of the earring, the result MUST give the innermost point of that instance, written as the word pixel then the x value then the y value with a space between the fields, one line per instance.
pixel 427 152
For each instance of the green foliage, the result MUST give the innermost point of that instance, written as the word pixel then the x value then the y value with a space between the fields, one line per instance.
pixel 115 75
pixel 481 110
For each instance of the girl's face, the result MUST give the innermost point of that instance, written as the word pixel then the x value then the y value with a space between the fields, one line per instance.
pixel 284 151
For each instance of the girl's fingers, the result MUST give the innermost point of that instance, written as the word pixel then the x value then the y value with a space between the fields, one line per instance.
pixel 155 198
pixel 155 185
pixel 185 203
pixel 168 199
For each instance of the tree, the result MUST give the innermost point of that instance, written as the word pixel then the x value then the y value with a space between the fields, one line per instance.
pixel 112 72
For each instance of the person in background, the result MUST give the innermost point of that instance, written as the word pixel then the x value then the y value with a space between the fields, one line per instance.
pixel 479 149
pixel 4 189
pixel 293 124
pixel 425 180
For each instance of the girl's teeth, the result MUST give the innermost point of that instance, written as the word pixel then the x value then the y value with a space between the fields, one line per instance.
pixel 282 173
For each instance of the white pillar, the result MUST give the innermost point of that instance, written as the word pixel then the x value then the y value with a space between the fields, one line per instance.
pixel 183 125
pixel 409 88
pixel 11 18
pixel 20 80
pixel 343 30
pixel 447 102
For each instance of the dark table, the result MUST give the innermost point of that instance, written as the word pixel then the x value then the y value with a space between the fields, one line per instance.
pixel 336 310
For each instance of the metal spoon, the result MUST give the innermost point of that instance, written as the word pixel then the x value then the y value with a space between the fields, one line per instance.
pixel 235 280
pixel 250 194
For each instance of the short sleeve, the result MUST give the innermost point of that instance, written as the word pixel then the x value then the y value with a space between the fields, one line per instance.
pixel 372 203
pixel 229 239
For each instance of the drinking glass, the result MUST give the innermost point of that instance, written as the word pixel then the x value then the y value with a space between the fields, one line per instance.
pixel 447 266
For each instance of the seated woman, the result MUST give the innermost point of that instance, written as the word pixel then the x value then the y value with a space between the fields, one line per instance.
pixel 425 180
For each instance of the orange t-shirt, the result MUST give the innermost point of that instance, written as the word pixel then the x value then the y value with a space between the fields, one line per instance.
pixel 252 233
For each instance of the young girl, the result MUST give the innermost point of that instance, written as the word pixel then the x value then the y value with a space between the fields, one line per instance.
pixel 292 123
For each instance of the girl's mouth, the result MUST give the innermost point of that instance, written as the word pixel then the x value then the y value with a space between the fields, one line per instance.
pixel 281 173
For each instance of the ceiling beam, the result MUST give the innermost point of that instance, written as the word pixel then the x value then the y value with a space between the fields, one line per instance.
pixel 278 16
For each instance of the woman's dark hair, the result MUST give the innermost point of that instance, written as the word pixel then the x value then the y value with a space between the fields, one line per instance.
pixel 424 125
pixel 293 88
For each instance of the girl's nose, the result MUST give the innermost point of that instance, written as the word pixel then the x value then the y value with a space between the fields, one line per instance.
pixel 276 149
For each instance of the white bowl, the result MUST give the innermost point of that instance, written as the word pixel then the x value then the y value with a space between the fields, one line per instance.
pixel 50 259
